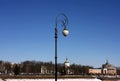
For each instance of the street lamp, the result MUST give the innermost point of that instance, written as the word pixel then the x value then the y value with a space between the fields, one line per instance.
pixel 65 32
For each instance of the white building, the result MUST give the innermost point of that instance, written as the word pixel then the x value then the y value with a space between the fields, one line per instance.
pixel 67 66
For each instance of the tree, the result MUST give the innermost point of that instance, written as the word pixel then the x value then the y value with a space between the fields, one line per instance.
pixel 16 69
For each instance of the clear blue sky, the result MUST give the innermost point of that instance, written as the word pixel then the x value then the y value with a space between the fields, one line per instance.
pixel 27 31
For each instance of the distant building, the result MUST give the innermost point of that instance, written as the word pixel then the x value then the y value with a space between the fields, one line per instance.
pixel 43 70
pixel 95 71
pixel 67 66
pixel 108 69
pixel 46 70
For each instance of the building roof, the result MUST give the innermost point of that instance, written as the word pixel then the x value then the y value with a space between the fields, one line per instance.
pixel 108 65
pixel 66 61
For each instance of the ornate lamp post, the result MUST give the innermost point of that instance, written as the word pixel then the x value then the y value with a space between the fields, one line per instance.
pixel 65 32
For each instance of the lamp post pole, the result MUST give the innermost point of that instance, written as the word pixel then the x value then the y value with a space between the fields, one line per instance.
pixel 65 32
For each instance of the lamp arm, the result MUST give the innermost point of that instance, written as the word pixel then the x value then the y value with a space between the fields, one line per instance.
pixel 64 21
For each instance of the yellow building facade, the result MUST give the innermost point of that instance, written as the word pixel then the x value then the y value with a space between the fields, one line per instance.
pixel 95 71
pixel 107 69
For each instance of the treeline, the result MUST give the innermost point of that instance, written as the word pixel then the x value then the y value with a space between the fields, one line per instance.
pixel 39 67
pixel 118 71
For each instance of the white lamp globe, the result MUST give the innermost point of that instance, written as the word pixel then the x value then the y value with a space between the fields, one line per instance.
pixel 65 32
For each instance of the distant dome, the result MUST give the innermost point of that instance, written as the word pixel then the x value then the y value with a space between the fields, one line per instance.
pixel 66 61
pixel 107 65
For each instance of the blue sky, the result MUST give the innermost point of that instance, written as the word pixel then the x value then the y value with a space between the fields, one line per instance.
pixel 27 31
